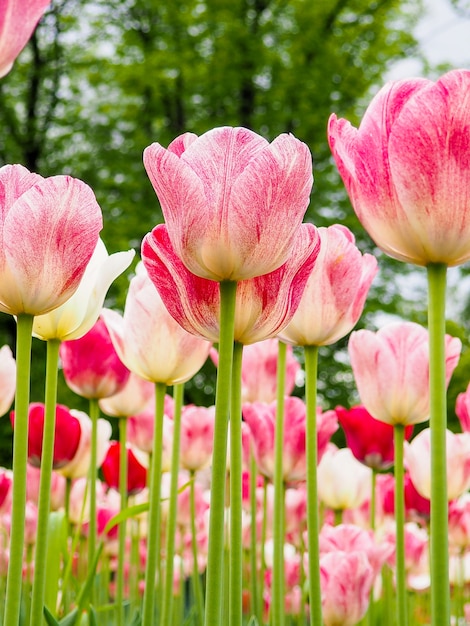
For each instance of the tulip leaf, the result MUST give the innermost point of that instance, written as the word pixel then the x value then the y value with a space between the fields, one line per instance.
pixel 125 514
pixel 50 619
pixel 56 538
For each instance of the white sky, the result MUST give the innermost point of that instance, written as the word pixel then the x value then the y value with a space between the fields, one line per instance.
pixel 444 34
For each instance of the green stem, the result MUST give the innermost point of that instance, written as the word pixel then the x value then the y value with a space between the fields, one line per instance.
pixel 92 532
pixel 277 596
pixel 154 514
pixel 253 535
pixel 123 469
pixel 370 612
pixel 20 459
pixel 439 554
pixel 313 516
pixel 196 578
pixel 167 607
pixel 262 565
pixel 44 500
pixel 215 559
pixel 399 439
pixel 236 549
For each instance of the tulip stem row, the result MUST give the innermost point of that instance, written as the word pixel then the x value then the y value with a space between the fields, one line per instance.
pixel 440 591
pixel 154 515
pixel 20 457
pixel 47 456
pixel 167 605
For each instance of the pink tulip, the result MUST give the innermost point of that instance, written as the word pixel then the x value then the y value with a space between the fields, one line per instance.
pixel 343 482
pixel 57 492
pixel 259 370
pixel 7 379
pixel 406 168
pixel 335 293
pixel 18 19
pixel 265 304
pixel 140 429
pixel 370 440
pixel 391 368
pixel 418 462
pixel 197 435
pixel 459 523
pixel 351 538
pixel 66 438
pixel 49 228
pixel 462 409
pixel 224 195
pixel 149 341
pixel 346 580
pixel 92 367
pixel 261 420
pixel 131 399
pixel 79 465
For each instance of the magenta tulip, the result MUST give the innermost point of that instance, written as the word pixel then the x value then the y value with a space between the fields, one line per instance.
pixel 462 409
pixel 224 195
pixel 49 229
pixel 91 365
pixel 406 168
pixel 370 440
pixel 149 341
pixel 18 19
pixel 391 369
pixel 336 291
pixel 264 306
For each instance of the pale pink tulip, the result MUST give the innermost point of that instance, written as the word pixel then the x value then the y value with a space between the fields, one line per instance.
pixel 459 523
pixel 462 409
pixel 346 580
pixel 223 196
pixel 416 546
pixel 343 482
pixel 259 370
pixel 49 228
pixel 91 365
pixel 406 168
pixel 79 506
pixel 336 291
pixel 7 378
pixel 57 487
pixel 391 369
pixel 18 19
pixel 132 399
pixel 149 341
pixel 79 465
pixel 140 429
pixel 264 306
pixel 261 419
pixel 197 435
pixel 418 462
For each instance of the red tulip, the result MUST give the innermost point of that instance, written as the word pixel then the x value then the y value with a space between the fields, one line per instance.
pixel 66 439
pixel 370 440
pixel 225 195
pixel 18 19
pixel 136 472
pixel 406 168
pixel 91 365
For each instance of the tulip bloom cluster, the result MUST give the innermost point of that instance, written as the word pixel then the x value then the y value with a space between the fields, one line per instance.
pixel 249 494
